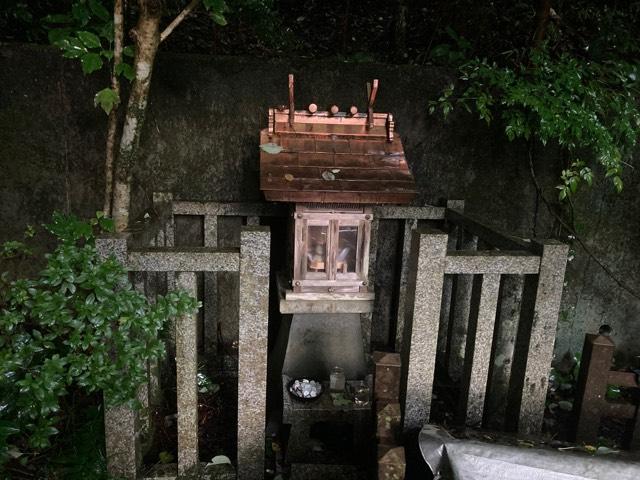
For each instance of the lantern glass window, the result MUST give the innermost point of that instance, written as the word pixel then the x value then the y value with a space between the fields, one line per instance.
pixel 317 249
pixel 331 249
pixel 347 249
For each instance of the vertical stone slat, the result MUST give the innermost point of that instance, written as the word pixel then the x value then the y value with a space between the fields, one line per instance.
pixel 366 319
pixel 210 291
pixel 252 354
pixel 410 224
pixel 429 248
pixel 478 350
pixel 543 332
pixel 502 356
pixel 144 419
pixel 457 335
pixel 121 440
pixel 447 288
pixel 186 382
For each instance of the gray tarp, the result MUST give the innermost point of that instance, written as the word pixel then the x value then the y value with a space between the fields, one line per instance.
pixel 453 459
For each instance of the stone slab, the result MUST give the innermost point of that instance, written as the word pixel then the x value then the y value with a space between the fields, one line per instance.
pixel 421 325
pixel 319 342
pixel 186 381
pixel 492 261
pixel 478 350
pixel 196 259
pixel 460 305
pixel 543 331
pixel 252 354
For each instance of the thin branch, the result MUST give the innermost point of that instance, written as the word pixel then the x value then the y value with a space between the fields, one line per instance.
pixel 176 21
pixel 571 230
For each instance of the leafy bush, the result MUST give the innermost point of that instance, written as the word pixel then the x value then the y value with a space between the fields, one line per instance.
pixel 78 326
pixel 587 107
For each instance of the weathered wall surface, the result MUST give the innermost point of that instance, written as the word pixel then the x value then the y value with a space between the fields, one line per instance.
pixel 201 139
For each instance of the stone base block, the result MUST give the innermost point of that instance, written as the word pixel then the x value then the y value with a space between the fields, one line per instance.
pixel 391 462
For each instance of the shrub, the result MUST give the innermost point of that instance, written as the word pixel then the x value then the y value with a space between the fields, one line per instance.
pixel 78 326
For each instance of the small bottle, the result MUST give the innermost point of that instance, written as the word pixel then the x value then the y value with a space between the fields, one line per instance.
pixel 337 380
pixel 361 397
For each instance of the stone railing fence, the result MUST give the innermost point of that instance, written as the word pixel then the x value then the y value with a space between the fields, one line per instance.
pixel 148 252
pixel 483 304
pixel 486 305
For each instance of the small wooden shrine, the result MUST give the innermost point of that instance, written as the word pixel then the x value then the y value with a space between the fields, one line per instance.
pixel 333 165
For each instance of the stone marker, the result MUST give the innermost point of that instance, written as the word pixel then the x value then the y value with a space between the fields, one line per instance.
pixel 387 377
pixel 391 463
pixel 388 425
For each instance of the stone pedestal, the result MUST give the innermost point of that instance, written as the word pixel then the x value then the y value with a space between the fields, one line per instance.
pixel 310 420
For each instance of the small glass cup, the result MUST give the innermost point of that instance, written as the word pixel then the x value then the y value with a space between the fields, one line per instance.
pixel 337 380
pixel 361 397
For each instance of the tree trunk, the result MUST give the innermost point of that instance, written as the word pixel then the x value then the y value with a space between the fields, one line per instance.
pixel 147 39
pixel 400 31
pixel 543 15
pixel 118 37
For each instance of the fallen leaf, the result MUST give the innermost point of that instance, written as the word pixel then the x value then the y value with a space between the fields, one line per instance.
pixel 327 175
pixel 288 177
pixel 272 148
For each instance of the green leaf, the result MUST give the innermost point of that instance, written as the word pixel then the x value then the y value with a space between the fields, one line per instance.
pixel 617 182
pixel 218 18
pixel 91 62
pixel 216 6
pixel 89 39
pixel 271 148
pixel 99 10
pixel 125 70
pixel 129 51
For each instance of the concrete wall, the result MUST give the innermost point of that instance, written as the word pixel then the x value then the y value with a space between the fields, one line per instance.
pixel 201 137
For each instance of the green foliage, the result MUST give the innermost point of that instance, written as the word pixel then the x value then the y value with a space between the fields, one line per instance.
pixel 107 98
pixel 587 107
pixel 217 9
pixel 85 33
pixel 78 326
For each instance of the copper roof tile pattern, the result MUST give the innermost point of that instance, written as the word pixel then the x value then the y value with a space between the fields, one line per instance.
pixel 333 158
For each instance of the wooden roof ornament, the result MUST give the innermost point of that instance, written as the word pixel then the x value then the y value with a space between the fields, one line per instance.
pixel 313 156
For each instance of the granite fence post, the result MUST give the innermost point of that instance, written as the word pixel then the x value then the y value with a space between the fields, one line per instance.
pixel 186 381
pixel 121 437
pixel 478 350
pixel 252 354
pixel 541 339
pixel 429 248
